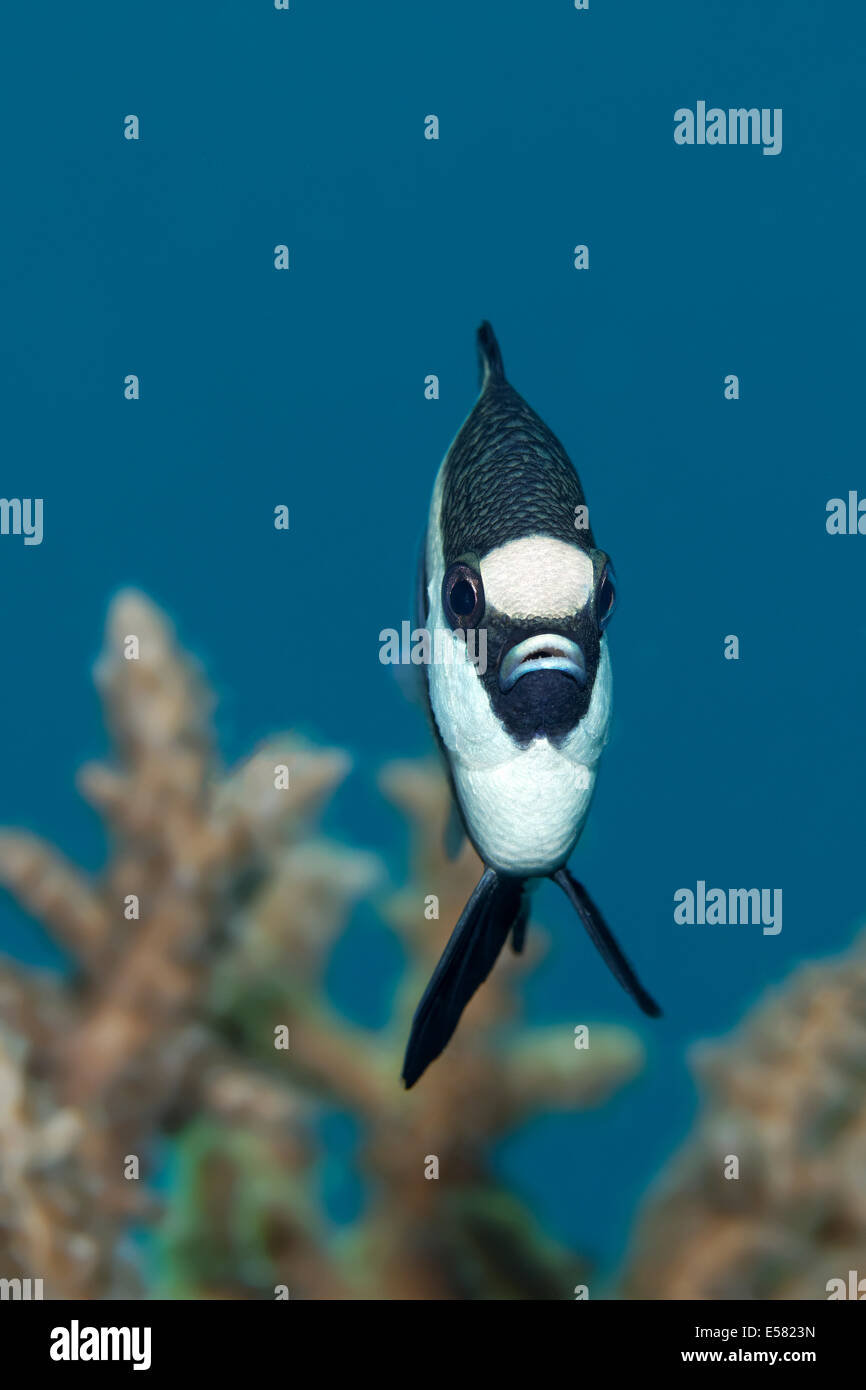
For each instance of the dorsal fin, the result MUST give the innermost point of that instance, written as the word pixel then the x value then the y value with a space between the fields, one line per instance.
pixel 489 356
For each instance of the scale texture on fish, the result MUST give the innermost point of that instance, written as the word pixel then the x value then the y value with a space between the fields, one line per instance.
pixel 523 723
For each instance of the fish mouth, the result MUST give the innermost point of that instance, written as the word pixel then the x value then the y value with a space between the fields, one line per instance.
pixel 546 652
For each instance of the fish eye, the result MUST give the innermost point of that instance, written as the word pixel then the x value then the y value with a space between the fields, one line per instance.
pixel 463 596
pixel 606 600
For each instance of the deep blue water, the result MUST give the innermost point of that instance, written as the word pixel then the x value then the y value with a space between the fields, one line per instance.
pixel 306 388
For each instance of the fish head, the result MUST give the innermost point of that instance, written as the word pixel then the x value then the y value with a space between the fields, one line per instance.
pixel 543 605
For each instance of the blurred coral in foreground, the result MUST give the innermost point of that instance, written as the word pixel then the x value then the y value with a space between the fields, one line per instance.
pixel 786 1095
pixel 167 1028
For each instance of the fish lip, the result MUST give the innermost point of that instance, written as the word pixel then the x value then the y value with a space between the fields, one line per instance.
pixel 547 651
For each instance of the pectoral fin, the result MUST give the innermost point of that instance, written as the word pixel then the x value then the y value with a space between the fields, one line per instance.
pixel 455 832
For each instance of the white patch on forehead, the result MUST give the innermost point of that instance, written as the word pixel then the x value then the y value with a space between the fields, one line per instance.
pixel 537 577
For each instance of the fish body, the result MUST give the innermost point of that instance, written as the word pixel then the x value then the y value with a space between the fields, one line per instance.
pixel 510 555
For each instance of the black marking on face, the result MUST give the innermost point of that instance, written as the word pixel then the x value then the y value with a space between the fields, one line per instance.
pixel 542 704
pixel 507 476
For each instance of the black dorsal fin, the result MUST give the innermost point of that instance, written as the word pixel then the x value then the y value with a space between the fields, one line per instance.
pixel 489 356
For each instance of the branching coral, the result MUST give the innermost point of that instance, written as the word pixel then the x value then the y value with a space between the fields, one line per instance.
pixel 122 1051
pixel 457 1235
pixel 786 1098
pixel 197 1009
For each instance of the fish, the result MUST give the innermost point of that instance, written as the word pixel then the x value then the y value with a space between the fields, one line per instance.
pixel 509 553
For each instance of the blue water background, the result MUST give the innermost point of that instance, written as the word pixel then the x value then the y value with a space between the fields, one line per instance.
pixel 306 388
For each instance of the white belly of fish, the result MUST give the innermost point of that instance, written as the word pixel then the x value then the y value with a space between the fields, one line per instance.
pixel 526 815
pixel 524 807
